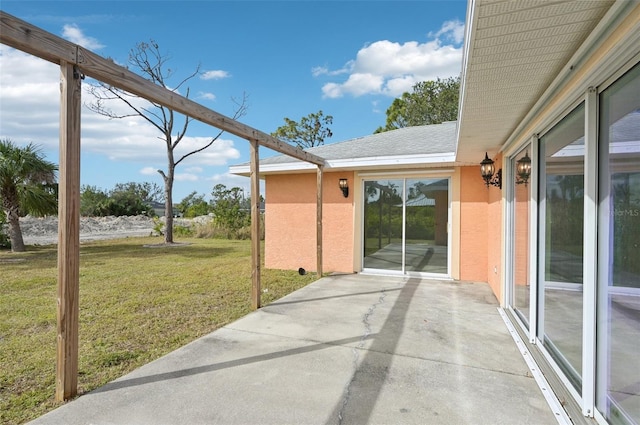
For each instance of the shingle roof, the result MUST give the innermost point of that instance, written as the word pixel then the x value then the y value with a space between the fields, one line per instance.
pixel 406 146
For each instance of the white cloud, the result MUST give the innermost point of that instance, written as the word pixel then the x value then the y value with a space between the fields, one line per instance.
pixel 214 75
pixel 452 31
pixel 220 153
pixel 232 180
pixel 332 90
pixel 324 70
pixel 359 84
pixel 207 96
pixel 75 35
pixel 186 177
pixel 29 99
pixel 137 141
pixel 29 112
pixel 148 171
pixel 391 68
pixel 317 71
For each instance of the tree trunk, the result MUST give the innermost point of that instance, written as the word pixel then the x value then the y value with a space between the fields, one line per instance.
pixel 168 212
pixel 168 205
pixel 15 233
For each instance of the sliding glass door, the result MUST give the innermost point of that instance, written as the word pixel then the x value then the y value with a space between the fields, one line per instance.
pixel 619 251
pixel 405 226
pixel 521 207
pixel 560 289
pixel 383 225
pixel 584 310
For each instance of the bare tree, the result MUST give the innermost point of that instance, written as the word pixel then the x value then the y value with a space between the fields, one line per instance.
pixel 151 63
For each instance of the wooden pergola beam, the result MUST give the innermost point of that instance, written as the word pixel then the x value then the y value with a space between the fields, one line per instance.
pixel 255 225
pixel 68 234
pixel 319 178
pixel 74 61
pixel 31 39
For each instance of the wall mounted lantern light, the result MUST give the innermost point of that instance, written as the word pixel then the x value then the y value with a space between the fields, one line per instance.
pixel 488 172
pixel 523 169
pixel 344 187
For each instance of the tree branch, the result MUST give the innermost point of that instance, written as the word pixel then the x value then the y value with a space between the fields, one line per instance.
pixel 240 111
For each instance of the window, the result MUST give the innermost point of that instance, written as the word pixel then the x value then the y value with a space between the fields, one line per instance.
pixel 618 388
pixel 561 243
pixel 406 225
pixel 521 221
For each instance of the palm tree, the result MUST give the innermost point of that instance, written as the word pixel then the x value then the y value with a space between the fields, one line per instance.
pixel 27 186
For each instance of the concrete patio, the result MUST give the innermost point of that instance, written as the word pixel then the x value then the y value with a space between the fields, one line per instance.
pixel 349 349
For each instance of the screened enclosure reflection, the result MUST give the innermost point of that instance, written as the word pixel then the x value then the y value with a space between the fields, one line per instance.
pixel 561 227
pixel 619 250
pixel 405 225
pixel 521 221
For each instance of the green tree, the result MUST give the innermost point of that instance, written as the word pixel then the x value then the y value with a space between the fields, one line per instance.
pixel 309 132
pixel 194 205
pixel 226 205
pixel 27 186
pixel 4 239
pixel 151 63
pixel 125 199
pixel 93 201
pixel 430 102
pixel 148 193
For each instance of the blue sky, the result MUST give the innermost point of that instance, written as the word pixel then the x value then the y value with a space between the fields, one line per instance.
pixel 349 59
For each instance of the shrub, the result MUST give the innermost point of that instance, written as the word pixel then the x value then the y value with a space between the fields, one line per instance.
pixel 193 205
pixel 215 230
pixel 183 231
pixel 158 227
pixel 4 238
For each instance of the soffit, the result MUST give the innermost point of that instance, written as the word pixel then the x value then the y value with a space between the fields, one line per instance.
pixel 515 49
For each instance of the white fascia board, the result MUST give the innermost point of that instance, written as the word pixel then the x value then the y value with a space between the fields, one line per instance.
pixel 239 170
pixel 351 163
pixel 397 160
pixel 288 167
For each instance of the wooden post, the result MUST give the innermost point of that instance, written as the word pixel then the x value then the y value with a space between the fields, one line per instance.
pixel 255 224
pixel 319 222
pixel 68 234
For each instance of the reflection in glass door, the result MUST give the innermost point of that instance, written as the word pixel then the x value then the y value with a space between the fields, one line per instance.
pixel 521 221
pixel 406 225
pixel 426 218
pixel 618 393
pixel 561 226
pixel 383 225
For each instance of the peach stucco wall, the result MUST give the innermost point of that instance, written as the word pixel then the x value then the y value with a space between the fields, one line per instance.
pixel 480 229
pixel 494 237
pixel 290 222
pixel 290 225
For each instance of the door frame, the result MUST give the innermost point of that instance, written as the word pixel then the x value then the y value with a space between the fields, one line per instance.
pixel 452 228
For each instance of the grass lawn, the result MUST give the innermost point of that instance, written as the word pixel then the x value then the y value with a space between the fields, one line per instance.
pixel 136 304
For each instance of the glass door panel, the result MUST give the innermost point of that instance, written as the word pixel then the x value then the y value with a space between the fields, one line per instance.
pixel 618 388
pixel 521 221
pixel 383 209
pixel 561 228
pixel 426 221
pixel 405 226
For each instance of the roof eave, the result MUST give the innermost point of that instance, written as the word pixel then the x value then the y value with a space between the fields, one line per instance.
pixel 369 163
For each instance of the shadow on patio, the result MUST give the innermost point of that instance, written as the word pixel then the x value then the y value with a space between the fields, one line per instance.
pixel 350 349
